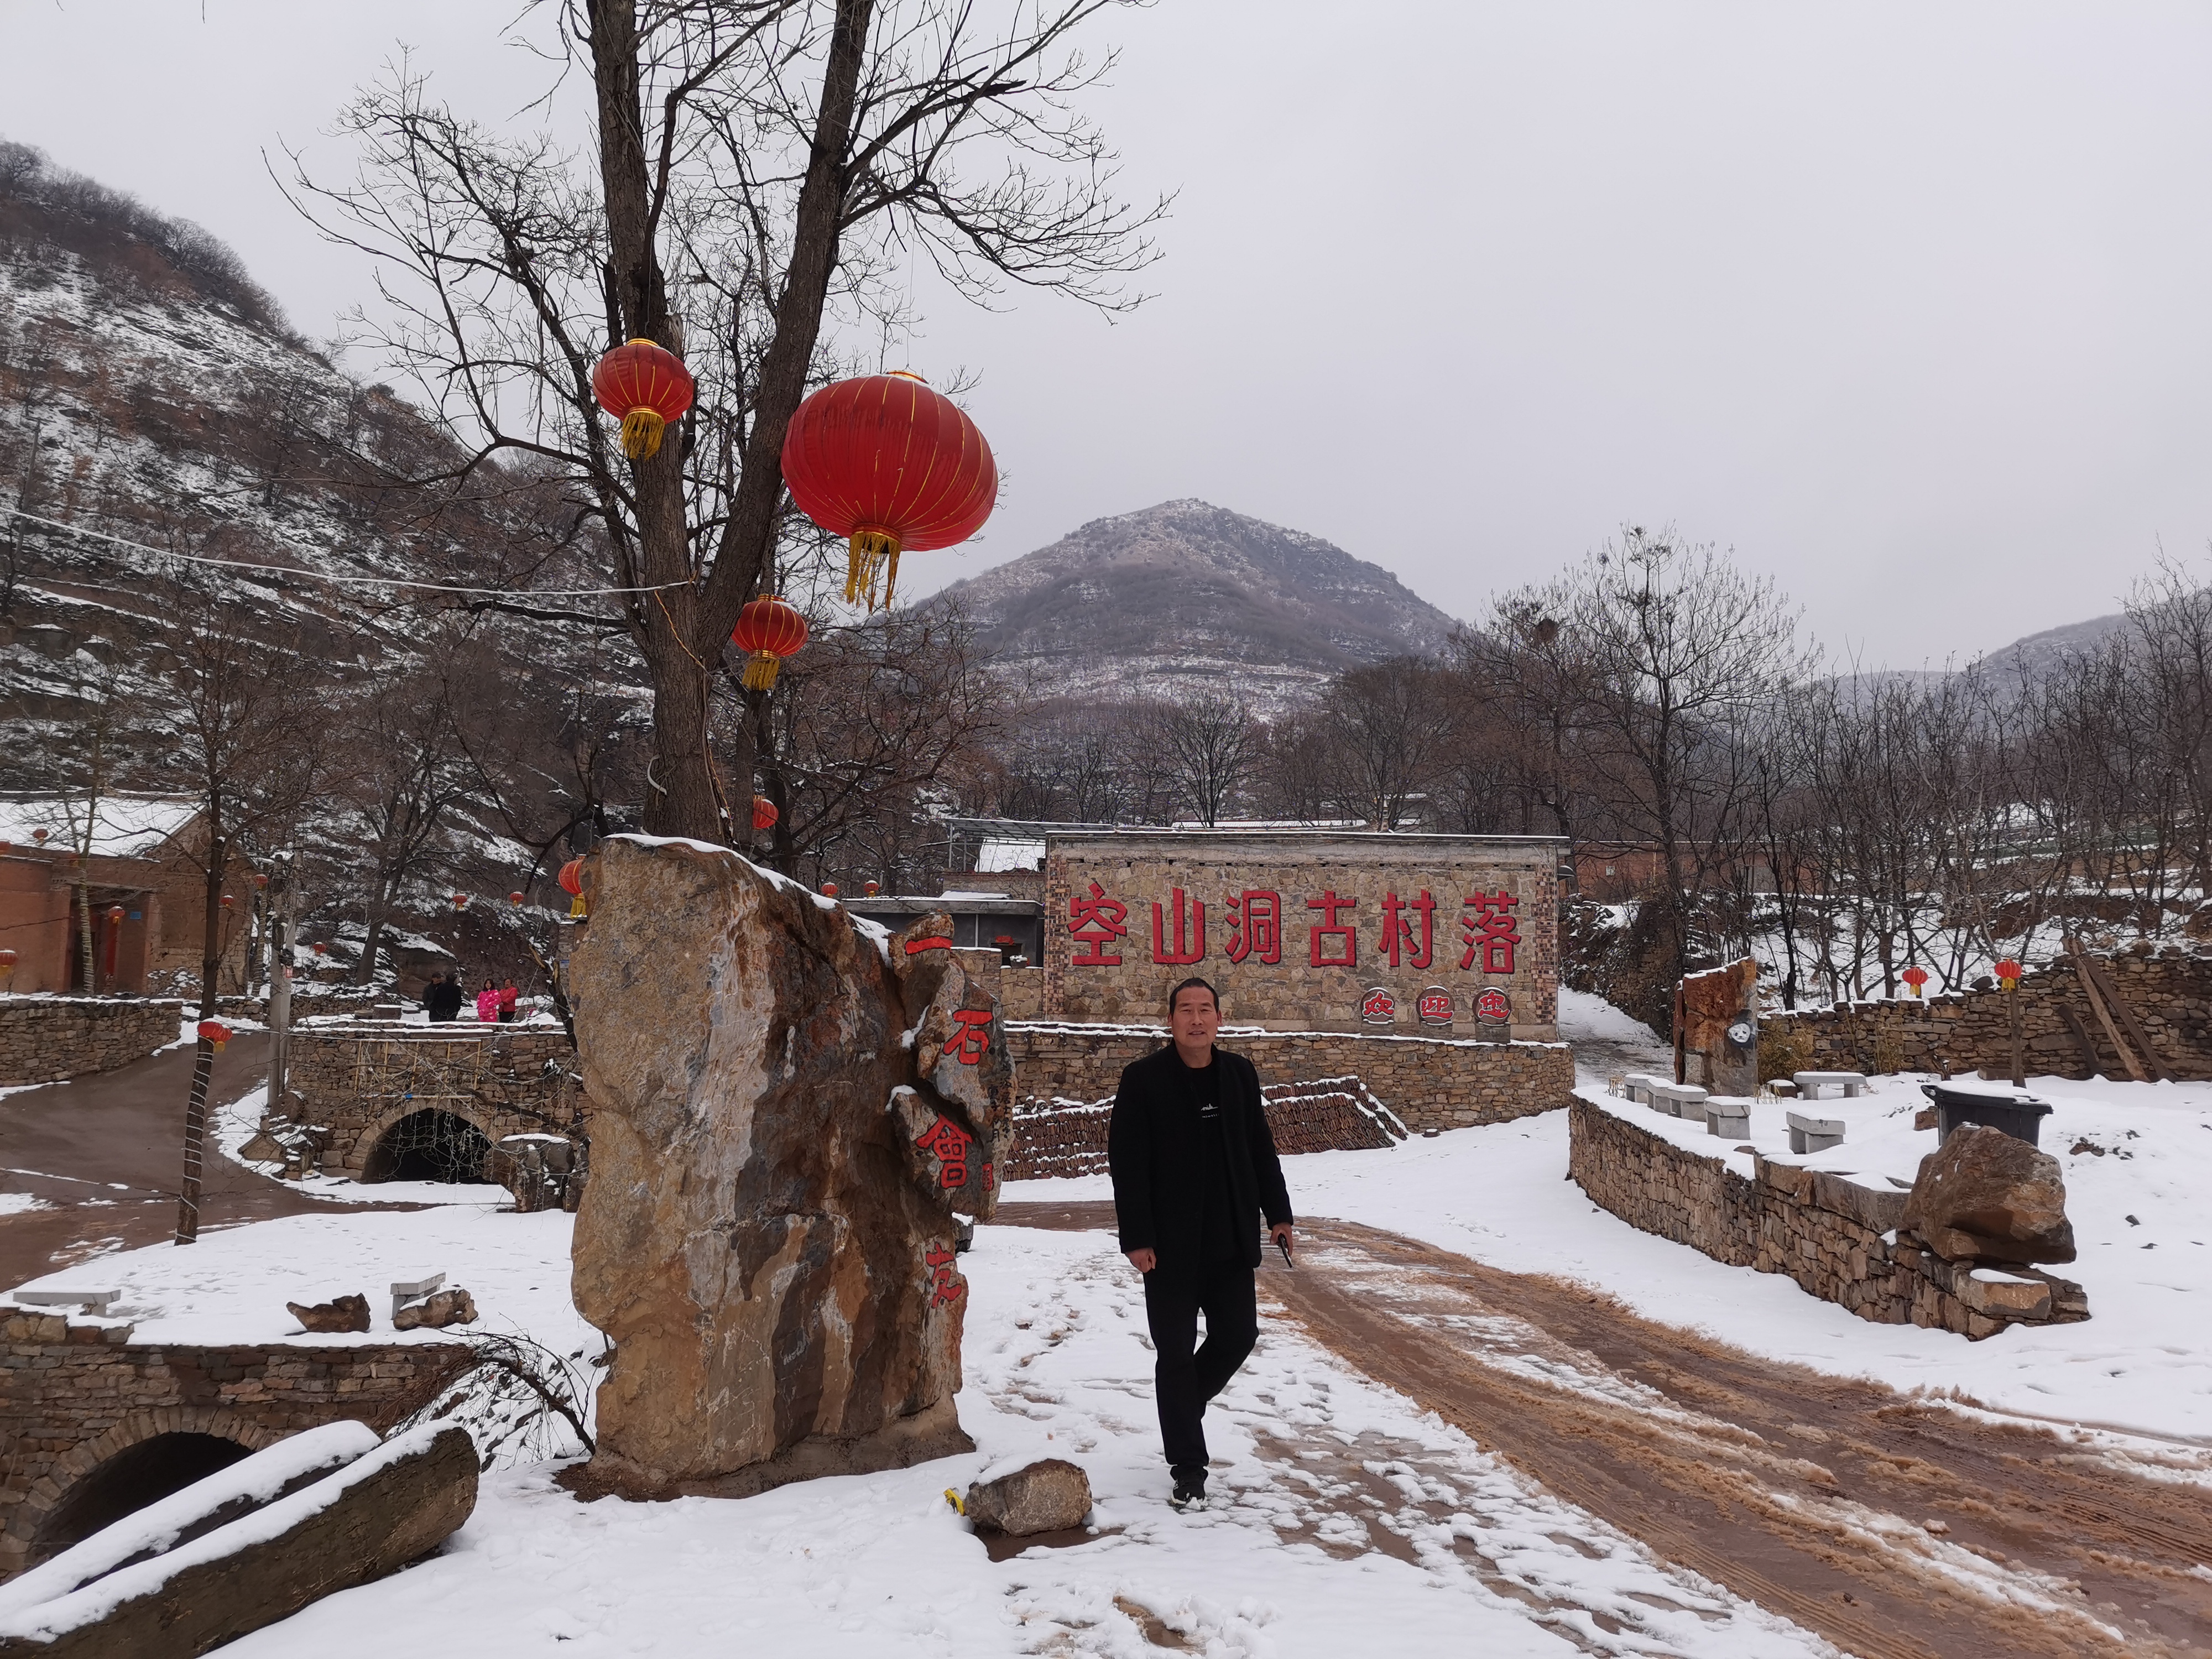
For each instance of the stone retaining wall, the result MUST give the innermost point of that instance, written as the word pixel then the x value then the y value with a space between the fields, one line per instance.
pixel 1430 1083
pixel 73 1395
pixel 1068 1137
pixel 358 1081
pixel 44 1039
pixel 1826 1232
pixel 1964 1031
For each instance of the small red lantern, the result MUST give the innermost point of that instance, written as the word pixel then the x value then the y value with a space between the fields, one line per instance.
pixel 645 387
pixel 114 915
pixel 228 901
pixel 215 1033
pixel 768 631
pixel 869 889
pixel 39 836
pixel 321 949
pixel 260 879
pixel 764 813
pixel 572 878
pixel 460 901
pixel 892 466
pixel 2008 974
pixel 828 889
pixel 7 961
pixel 1915 977
pixel 515 899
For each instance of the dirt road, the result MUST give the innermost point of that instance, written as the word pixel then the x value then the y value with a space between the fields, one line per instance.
pixel 1893 1527
pixel 103 1156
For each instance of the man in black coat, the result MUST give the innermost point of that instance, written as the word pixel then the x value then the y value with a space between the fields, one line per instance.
pixel 1194 1170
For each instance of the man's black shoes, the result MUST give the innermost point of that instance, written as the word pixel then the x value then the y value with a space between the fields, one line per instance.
pixel 1187 1496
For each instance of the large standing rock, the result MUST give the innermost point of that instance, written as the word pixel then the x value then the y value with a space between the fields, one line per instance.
pixel 1986 1196
pixel 788 1106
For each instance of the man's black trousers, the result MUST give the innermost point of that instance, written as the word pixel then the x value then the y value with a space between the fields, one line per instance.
pixel 1183 1381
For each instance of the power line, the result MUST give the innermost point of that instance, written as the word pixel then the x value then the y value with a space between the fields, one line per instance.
pixel 324 576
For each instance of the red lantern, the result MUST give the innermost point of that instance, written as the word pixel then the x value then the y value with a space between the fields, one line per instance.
pixel 892 466
pixel 2008 974
pixel 7 961
pixel 515 899
pixel 768 631
pixel 215 1033
pixel 645 387
pixel 227 901
pixel 764 813
pixel 869 889
pixel 828 889
pixel 39 836
pixel 260 880
pixel 1915 977
pixel 114 915
pixel 460 901
pixel 572 878
pixel 321 949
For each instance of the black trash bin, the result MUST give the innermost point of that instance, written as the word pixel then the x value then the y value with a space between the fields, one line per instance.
pixel 2012 1111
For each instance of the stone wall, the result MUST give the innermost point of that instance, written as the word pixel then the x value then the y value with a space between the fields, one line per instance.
pixel 1825 1231
pixel 359 1080
pixel 73 1395
pixel 42 1039
pixel 1961 1031
pixel 1431 1082
pixel 1327 1114
pixel 1253 912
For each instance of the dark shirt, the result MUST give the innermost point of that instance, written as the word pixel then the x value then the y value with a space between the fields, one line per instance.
pixel 1218 1240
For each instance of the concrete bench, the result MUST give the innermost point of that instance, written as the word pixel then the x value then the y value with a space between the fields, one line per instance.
pixel 1815 1135
pixel 1679 1099
pixel 1729 1115
pixel 405 1290
pixel 1638 1086
pixel 1809 1083
pixel 95 1303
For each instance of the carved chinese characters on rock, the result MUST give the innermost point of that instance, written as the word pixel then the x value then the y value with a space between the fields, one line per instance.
pixel 1189 936
pixel 972 1040
pixel 1255 927
pixel 1488 930
pixel 1330 944
pixel 1097 921
pixel 949 1142
pixel 945 1278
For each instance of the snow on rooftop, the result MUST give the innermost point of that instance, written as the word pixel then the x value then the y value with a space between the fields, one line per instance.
pixel 999 853
pixel 124 826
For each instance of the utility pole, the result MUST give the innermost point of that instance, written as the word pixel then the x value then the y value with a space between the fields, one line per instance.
pixel 282 897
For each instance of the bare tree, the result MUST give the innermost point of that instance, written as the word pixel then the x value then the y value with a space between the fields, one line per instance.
pixel 755 166
pixel 1390 726
pixel 1207 746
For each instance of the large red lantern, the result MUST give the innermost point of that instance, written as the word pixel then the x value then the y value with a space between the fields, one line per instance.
pixel 215 1034
pixel 2008 974
pixel 1915 977
pixel 892 466
pixel 764 813
pixel 572 878
pixel 645 387
pixel 768 631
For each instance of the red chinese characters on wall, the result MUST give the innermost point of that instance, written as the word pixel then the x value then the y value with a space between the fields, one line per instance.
pixel 945 1279
pixel 1489 931
pixel 1255 927
pixel 1326 936
pixel 1189 932
pixel 973 1040
pixel 1097 923
pixel 951 1143
pixel 1398 933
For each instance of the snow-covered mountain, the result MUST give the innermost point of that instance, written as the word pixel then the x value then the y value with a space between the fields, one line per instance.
pixel 1186 597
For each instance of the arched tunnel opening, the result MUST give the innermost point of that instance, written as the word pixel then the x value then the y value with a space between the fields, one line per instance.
pixel 127 1482
pixel 428 1146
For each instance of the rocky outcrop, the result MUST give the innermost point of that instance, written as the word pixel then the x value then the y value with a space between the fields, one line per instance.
pixel 344 1313
pixel 1052 1494
pixel 789 1108
pixel 1985 1196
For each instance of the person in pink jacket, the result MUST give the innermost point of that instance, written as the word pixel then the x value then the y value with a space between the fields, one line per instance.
pixel 488 1004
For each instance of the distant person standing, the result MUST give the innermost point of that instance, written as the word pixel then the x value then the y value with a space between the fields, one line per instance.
pixel 441 1000
pixel 488 1005
pixel 1194 1170
pixel 509 996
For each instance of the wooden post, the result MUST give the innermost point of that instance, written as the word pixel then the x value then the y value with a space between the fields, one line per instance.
pixel 2110 993
pixel 2082 1039
pixel 188 1195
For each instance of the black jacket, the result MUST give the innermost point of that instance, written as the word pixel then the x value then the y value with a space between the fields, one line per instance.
pixel 1152 1146
pixel 443 1000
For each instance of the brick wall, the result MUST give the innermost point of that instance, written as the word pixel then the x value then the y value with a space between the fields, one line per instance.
pixel 73 1395
pixel 1068 1137
pixel 42 1039
pixel 360 1080
pixel 1961 1031
pixel 1431 1082
pixel 1822 1231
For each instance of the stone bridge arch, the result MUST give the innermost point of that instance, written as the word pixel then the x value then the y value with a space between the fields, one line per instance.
pixel 138 1459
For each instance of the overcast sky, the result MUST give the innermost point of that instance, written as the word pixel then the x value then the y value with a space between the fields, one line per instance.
pixel 1909 305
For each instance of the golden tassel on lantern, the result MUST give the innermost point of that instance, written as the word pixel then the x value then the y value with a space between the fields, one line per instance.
pixel 640 434
pixel 874 552
pixel 760 671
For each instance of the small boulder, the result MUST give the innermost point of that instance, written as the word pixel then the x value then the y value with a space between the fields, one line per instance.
pixel 344 1313
pixel 1050 1496
pixel 436 1312
pixel 1986 1196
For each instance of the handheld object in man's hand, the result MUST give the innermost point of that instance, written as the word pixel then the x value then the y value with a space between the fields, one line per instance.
pixel 1283 1245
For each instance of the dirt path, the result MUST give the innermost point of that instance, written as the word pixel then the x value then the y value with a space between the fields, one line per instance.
pixel 105 1153
pixel 1811 1495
